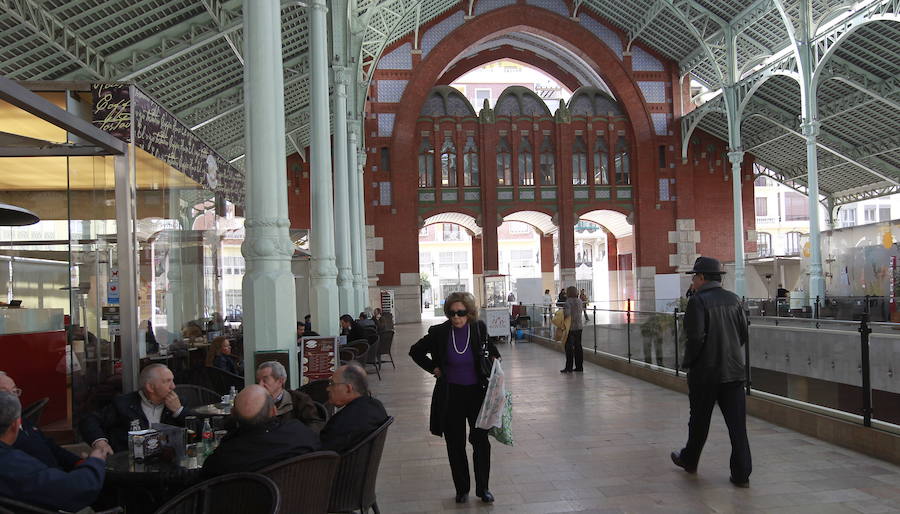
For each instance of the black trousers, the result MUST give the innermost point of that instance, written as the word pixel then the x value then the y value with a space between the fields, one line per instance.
pixel 733 403
pixel 574 351
pixel 463 405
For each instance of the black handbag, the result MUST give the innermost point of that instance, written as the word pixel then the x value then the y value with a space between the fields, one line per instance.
pixel 485 365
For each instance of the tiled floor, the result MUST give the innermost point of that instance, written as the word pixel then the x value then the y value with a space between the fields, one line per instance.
pixel 600 442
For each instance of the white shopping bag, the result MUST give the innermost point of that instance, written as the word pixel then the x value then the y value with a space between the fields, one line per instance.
pixel 491 414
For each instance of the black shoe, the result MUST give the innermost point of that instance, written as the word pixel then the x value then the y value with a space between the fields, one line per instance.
pixel 462 497
pixel 744 485
pixel 565 371
pixel 579 370
pixel 676 459
pixel 486 497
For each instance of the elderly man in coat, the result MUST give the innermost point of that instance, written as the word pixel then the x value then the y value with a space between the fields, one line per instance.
pixel 717 329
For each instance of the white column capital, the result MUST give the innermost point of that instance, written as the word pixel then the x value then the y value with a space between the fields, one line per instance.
pixel 319 5
pixel 736 156
pixel 810 128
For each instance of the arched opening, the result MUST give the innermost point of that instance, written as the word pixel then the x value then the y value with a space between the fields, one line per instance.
pixel 449 259
pixel 604 253
pixel 526 246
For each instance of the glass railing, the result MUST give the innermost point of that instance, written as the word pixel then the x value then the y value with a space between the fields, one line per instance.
pixel 843 368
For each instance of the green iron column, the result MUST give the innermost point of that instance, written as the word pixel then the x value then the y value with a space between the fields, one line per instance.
pixel 736 157
pixel 356 235
pixel 323 298
pixel 268 285
pixel 342 199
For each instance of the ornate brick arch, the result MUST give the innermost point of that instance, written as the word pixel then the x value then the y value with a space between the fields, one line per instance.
pixel 562 31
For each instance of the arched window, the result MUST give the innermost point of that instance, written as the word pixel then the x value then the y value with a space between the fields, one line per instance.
pixel 426 163
pixel 504 163
pixel 601 161
pixel 623 162
pixel 579 162
pixel 548 162
pixel 448 163
pixel 792 243
pixel 526 162
pixel 763 244
pixel 470 162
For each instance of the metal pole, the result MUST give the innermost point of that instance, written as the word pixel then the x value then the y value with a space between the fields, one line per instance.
pixel 675 316
pixel 864 332
pixel 595 328
pixel 816 309
pixel 628 328
pixel 747 359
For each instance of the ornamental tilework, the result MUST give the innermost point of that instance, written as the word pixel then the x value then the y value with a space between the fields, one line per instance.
pixel 654 92
pixel 556 6
pixel 437 33
pixel 385 124
pixel 472 195
pixel 606 34
pixel 399 59
pixel 448 196
pixel 660 123
pixel 602 194
pixel 643 61
pixel 581 194
pixel 391 91
pixel 504 195
pixel 483 6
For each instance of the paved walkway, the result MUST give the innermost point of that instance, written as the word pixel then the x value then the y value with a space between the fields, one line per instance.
pixel 600 442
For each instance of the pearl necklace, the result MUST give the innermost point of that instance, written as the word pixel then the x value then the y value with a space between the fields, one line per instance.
pixel 453 338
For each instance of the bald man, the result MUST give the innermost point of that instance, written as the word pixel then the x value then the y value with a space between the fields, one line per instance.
pixel 261 438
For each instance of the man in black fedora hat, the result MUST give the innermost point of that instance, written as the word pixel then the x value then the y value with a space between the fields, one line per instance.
pixel 716 328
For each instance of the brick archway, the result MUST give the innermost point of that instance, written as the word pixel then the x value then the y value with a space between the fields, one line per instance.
pixel 549 67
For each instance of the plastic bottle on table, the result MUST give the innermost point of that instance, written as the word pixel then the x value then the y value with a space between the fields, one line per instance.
pixel 207 437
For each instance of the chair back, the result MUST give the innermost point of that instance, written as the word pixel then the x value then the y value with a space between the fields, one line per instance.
pixel 237 493
pixel 372 356
pixel 354 486
pixel 386 340
pixel 10 506
pixel 305 482
pixel 317 390
pixel 192 396
pixel 33 412
pixel 221 381
pixel 323 411
pixel 361 346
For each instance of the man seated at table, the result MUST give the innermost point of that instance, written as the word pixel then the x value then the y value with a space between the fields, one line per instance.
pixel 360 415
pixel 27 479
pixel 353 330
pixel 289 403
pixel 33 442
pixel 261 438
pixel 155 401
pixel 303 332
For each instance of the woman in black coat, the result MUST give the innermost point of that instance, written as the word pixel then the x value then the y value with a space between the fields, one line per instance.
pixel 458 354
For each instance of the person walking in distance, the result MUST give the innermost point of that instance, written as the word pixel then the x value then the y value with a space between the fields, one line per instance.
pixel 716 327
pixel 574 353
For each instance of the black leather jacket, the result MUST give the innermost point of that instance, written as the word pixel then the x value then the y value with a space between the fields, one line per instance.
pixel 716 327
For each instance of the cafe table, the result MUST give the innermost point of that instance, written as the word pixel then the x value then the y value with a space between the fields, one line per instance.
pixel 144 486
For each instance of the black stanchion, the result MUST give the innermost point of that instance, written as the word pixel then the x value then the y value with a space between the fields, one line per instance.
pixel 864 332
pixel 675 316
pixel 628 329
pixel 595 328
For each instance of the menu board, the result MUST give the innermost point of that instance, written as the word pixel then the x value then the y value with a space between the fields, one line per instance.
pixel 318 358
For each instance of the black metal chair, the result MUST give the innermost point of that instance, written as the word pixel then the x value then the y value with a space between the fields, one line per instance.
pixel 305 482
pixel 373 358
pixel 10 506
pixel 361 347
pixel 237 493
pixel 386 340
pixel 194 396
pixel 347 355
pixel 323 411
pixel 33 412
pixel 354 486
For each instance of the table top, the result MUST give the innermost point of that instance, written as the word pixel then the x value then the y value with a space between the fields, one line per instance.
pixel 212 409
pixel 120 464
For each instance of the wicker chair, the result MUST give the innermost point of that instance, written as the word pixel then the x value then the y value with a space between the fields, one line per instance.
pixel 361 347
pixel 372 357
pixel 386 340
pixel 354 486
pixel 305 482
pixel 192 396
pixel 33 412
pixel 10 506
pixel 317 390
pixel 237 493
pixel 323 411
